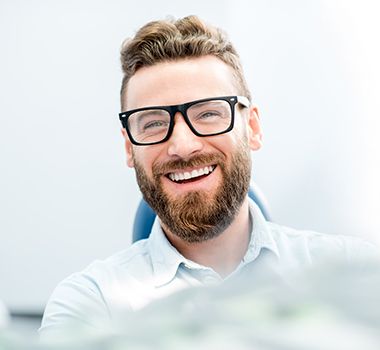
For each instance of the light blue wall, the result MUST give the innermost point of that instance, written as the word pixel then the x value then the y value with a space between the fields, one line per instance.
pixel 66 195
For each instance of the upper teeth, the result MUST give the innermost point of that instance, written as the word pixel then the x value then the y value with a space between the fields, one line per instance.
pixel 189 175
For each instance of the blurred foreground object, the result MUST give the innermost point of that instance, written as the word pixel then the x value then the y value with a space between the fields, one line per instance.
pixel 335 306
pixel 4 318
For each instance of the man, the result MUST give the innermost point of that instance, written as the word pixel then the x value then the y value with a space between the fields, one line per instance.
pixel 189 125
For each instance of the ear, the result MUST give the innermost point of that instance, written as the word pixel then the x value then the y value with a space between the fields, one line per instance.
pixel 254 129
pixel 128 148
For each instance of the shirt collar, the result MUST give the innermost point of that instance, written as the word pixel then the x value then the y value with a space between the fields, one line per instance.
pixel 166 259
pixel 260 235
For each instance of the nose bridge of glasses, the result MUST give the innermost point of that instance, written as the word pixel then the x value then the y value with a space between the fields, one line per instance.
pixel 183 140
pixel 180 110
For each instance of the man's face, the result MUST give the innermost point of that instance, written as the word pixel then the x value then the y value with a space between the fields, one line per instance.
pixel 201 207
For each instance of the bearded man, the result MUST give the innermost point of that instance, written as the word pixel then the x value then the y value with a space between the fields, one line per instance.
pixel 189 126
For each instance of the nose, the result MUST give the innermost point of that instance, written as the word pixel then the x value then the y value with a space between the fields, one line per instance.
pixel 183 143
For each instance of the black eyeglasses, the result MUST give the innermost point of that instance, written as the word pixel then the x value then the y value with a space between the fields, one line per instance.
pixel 206 117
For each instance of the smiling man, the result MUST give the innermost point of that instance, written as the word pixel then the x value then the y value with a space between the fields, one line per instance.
pixel 192 159
pixel 189 127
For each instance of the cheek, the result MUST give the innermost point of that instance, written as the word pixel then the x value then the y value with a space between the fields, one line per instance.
pixel 146 157
pixel 241 126
pixel 237 136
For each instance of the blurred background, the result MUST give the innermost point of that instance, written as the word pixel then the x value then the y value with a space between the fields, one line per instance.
pixel 66 195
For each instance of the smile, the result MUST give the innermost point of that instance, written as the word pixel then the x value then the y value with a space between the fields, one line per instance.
pixel 190 175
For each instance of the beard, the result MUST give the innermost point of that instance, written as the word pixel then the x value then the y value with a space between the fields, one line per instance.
pixel 198 216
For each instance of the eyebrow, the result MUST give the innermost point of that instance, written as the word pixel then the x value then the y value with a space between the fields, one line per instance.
pixel 145 113
pixel 201 104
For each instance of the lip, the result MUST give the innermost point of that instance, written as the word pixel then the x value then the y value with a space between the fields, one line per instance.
pixel 180 175
pixel 196 184
pixel 174 170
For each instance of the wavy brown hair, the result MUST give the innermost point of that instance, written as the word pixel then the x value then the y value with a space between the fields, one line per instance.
pixel 171 40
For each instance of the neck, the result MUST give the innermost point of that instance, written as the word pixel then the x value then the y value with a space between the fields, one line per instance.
pixel 222 253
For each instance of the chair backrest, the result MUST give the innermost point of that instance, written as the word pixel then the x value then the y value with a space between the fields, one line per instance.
pixel 145 215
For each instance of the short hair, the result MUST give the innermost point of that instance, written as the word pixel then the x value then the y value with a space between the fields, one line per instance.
pixel 172 40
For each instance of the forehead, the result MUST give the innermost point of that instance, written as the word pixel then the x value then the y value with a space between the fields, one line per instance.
pixel 179 81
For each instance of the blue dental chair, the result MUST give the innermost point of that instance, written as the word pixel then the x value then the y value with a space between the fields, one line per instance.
pixel 145 215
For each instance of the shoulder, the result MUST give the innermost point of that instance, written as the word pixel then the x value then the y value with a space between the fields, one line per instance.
pixel 84 299
pixel 311 246
pixel 137 256
pixel 133 261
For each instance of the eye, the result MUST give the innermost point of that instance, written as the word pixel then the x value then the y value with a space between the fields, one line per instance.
pixel 155 124
pixel 148 121
pixel 207 115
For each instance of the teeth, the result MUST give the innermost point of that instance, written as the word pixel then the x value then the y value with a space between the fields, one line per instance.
pixel 189 175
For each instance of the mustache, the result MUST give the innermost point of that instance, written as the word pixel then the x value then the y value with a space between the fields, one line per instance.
pixel 159 169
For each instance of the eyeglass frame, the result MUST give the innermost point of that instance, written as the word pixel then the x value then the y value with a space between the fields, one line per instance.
pixel 182 108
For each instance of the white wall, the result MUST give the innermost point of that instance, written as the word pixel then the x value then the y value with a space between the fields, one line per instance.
pixel 314 69
pixel 66 196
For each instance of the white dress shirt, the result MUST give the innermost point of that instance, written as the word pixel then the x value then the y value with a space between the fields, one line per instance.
pixel 152 268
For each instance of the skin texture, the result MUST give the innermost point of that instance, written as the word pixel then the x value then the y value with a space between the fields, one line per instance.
pixel 179 82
